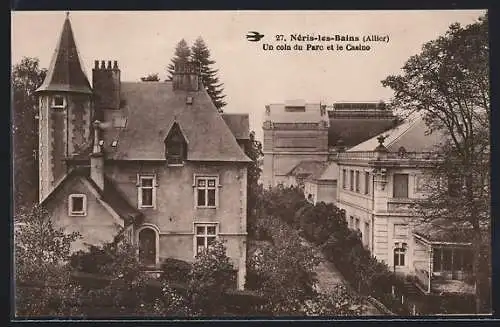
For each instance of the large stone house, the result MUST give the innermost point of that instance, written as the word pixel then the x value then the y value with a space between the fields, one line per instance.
pixel 153 161
pixel 297 132
pixel 378 181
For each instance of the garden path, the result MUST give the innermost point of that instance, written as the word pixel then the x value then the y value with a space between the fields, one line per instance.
pixel 329 276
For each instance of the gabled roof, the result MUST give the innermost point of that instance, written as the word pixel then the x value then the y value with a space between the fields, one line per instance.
pixel 353 131
pixel 110 195
pixel 308 167
pixel 238 124
pixel 410 134
pixel 331 172
pixel 65 72
pixel 150 109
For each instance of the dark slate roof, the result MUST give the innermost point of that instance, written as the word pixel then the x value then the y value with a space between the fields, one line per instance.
pixel 353 131
pixel 308 167
pixel 238 124
pixel 65 71
pixel 410 134
pixel 111 195
pixel 151 108
pixel 118 201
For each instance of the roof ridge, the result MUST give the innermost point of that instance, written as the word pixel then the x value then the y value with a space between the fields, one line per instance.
pixel 411 122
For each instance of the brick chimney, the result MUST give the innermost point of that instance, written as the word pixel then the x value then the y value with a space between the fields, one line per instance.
pixel 186 76
pixel 106 85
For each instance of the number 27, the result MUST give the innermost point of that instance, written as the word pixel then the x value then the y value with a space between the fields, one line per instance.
pixel 280 37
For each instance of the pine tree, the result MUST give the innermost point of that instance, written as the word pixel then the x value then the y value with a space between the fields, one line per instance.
pixel 182 54
pixel 200 53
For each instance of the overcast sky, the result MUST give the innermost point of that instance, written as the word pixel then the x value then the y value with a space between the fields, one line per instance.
pixel 144 42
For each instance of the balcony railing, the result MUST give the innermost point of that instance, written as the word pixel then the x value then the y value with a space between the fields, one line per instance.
pixel 399 204
pixel 373 155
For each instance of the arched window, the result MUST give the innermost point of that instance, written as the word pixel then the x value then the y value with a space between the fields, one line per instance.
pixel 400 255
pixel 147 246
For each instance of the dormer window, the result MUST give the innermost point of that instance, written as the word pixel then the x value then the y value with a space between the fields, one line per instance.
pixel 58 102
pixel 175 147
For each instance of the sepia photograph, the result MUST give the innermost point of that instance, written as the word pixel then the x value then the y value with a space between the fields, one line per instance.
pixel 250 164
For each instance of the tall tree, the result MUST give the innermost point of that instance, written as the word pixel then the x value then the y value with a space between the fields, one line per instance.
pixel 182 54
pixel 201 54
pixel 254 152
pixel 27 76
pixel 448 82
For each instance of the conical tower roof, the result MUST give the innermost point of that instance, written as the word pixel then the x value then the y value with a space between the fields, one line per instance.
pixel 65 73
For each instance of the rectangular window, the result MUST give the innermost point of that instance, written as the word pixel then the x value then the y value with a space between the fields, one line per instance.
pixel 357 181
pixel 344 179
pixel 436 260
pixel 357 224
pixel 351 180
pixel 446 257
pixel 205 235
pixel 399 257
pixel 400 187
pixel 77 205
pixel 351 222
pixel 401 231
pixel 206 190
pixel 175 152
pixel 58 101
pixel 147 192
pixel 367 182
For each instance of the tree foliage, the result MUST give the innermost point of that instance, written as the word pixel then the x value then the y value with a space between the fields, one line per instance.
pixel 448 83
pixel 43 279
pixel 153 77
pixel 201 54
pixel 27 76
pixel 182 54
pixel 211 277
pixel 282 271
pixel 122 286
pixel 254 151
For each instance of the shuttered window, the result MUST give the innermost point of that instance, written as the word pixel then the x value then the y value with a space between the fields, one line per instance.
pixel 367 182
pixel 344 179
pixel 400 186
pixel 351 180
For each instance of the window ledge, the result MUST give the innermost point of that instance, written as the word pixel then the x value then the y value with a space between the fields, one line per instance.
pixel 206 207
pixel 175 165
pixel 74 214
pixel 401 200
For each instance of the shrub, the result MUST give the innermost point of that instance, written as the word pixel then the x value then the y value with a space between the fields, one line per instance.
pixel 42 276
pixel 175 270
pixel 211 278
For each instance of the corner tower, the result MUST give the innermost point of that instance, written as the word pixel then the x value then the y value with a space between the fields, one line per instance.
pixel 65 112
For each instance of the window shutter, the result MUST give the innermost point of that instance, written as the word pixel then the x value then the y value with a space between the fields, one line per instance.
pixel 400 189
